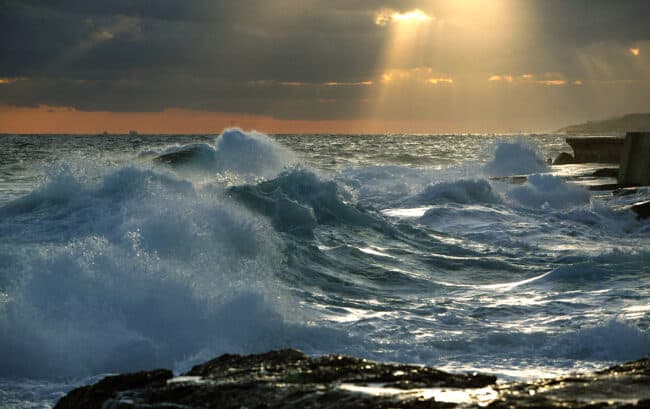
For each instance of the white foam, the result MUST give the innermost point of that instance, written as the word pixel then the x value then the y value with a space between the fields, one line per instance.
pixel 127 272
pixel 515 158
pixel 236 157
pixel 549 191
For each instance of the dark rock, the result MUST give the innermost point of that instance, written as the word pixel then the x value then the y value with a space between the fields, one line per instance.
pixel 642 209
pixel 94 396
pixel 174 158
pixel 605 173
pixel 190 155
pixel 625 191
pixel 291 379
pixel 564 159
pixel 614 187
pixel 292 366
pixel 622 386
pixel 513 180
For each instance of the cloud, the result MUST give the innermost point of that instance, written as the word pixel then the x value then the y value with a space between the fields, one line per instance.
pixel 283 58
pixel 548 78
pixel 437 81
pixel 499 78
pixel 415 16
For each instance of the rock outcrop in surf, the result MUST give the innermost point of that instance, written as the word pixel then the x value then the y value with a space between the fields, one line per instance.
pixel 291 379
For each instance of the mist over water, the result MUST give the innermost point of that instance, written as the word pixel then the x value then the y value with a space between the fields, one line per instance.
pixel 121 253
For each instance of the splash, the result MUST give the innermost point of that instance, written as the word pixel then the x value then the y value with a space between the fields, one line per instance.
pixel 249 155
pixel 515 158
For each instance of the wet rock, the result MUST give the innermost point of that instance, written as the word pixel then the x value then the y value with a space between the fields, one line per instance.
pixel 190 155
pixel 642 209
pixel 291 379
pixel 513 180
pixel 564 159
pixel 94 396
pixel 605 173
pixel 625 191
pixel 622 386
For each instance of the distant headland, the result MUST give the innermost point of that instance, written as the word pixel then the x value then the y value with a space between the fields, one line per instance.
pixel 613 126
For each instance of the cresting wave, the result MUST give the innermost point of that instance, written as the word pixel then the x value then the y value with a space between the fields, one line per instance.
pixel 246 155
pixel 141 265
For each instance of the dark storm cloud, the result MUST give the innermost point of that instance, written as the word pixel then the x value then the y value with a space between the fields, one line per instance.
pixel 582 22
pixel 146 55
pixel 205 37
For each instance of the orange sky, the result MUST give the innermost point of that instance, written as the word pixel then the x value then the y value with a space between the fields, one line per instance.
pixel 45 119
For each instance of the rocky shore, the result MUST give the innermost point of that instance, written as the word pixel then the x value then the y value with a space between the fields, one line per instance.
pixel 291 379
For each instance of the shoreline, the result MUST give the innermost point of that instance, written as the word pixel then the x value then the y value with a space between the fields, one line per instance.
pixel 291 379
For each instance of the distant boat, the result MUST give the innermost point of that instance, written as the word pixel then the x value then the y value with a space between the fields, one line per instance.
pixel 133 133
pixel 105 133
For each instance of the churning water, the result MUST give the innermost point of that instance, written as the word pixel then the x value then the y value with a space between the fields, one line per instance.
pixel 124 253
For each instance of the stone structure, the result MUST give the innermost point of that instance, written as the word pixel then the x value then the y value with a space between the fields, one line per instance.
pixel 596 149
pixel 634 167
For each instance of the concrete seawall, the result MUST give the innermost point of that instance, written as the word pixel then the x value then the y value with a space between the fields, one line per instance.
pixel 634 166
pixel 596 149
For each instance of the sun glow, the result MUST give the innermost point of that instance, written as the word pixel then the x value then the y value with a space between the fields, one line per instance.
pixel 436 81
pixel 433 55
pixel 635 51
pixel 415 16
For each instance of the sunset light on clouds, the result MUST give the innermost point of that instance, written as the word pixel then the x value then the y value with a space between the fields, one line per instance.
pixel 452 64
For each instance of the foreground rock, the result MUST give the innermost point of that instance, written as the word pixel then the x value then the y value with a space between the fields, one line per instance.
pixel 291 379
pixel 642 209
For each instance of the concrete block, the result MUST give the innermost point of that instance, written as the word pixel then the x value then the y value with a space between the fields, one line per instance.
pixel 596 149
pixel 634 167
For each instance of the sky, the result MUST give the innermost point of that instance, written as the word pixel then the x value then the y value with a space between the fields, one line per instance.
pixel 341 66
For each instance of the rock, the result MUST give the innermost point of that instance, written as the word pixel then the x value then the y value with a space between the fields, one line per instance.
pixel 291 379
pixel 200 156
pixel 564 159
pixel 94 396
pixel 513 180
pixel 625 191
pixel 622 386
pixel 642 209
pixel 180 157
pixel 605 173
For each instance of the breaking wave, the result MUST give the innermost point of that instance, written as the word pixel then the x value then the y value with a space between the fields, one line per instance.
pixel 139 265
pixel 246 154
pixel 515 158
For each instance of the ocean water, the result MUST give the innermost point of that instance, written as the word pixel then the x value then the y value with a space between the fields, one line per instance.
pixel 390 247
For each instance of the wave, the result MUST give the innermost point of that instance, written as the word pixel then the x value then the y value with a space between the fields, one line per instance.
pixel 299 200
pixel 247 154
pixel 515 158
pixel 461 191
pixel 139 266
pixel 133 269
pixel 550 191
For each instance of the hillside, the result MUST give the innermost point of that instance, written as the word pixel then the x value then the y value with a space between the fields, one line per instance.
pixel 613 126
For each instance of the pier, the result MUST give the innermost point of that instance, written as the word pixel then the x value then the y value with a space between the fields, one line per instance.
pixel 596 149
pixel 634 168
pixel 631 154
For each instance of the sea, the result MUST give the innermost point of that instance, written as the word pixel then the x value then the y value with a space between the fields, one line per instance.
pixel 129 252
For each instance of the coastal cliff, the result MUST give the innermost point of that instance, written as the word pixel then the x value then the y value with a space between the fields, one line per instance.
pixel 613 126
